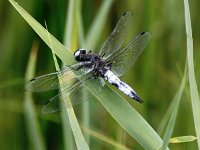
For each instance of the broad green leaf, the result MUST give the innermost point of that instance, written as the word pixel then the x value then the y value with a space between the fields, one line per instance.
pixel 192 81
pixel 126 116
pixel 182 139
pixel 121 110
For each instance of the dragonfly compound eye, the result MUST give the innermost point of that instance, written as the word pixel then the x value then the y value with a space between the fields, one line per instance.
pixel 79 53
pixel 82 51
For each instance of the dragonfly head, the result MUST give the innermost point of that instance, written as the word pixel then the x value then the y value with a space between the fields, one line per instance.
pixel 79 53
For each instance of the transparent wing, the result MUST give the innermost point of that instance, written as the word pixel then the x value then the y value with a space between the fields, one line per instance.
pixel 126 57
pixel 69 97
pixel 116 38
pixel 50 81
pixel 43 83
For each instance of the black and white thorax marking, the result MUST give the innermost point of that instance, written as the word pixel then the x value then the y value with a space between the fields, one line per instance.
pixel 112 61
pixel 102 68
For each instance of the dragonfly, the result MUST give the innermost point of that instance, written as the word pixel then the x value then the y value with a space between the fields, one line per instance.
pixel 112 61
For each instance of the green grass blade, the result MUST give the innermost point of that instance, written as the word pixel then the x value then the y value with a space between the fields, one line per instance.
pixel 59 49
pixel 10 83
pixel 182 139
pixel 98 24
pixel 192 81
pixel 68 115
pixel 127 117
pixel 90 42
pixel 85 115
pixel 67 133
pixel 172 120
pixel 70 37
pixel 71 40
pixel 121 110
pixel 80 27
pixel 61 52
pixel 166 117
pixel 104 138
pixel 32 124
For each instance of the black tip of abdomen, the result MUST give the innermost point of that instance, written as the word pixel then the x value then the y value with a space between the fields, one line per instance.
pixel 137 98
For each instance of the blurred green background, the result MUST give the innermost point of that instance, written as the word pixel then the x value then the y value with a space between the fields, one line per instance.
pixel 156 76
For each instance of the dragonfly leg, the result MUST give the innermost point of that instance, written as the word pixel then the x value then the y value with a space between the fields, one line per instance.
pixel 103 55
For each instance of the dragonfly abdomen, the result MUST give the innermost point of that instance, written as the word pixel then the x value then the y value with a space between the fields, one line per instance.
pixel 126 89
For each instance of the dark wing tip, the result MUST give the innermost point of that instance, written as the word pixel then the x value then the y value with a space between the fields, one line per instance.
pixel 127 12
pixel 147 33
pixel 32 79
pixel 28 86
pixel 142 33
pixel 46 102
pixel 124 13
pixel 45 110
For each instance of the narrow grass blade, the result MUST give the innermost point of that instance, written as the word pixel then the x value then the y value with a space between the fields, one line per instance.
pixel 192 81
pixel 67 134
pixel 98 24
pixel 71 41
pixel 182 139
pixel 10 83
pixel 59 49
pixel 80 27
pixel 68 115
pixel 121 110
pixel 166 117
pixel 90 42
pixel 70 36
pixel 104 138
pixel 32 124
pixel 172 120
pixel 121 137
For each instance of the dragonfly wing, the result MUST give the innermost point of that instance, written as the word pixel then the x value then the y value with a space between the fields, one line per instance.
pixel 81 94
pixel 51 82
pixel 43 83
pixel 116 38
pixel 124 59
pixel 68 97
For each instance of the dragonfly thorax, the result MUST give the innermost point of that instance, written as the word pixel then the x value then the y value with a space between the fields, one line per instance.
pixel 81 56
pixel 92 61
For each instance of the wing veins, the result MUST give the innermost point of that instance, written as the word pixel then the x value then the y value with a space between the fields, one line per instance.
pixel 53 104
pixel 126 57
